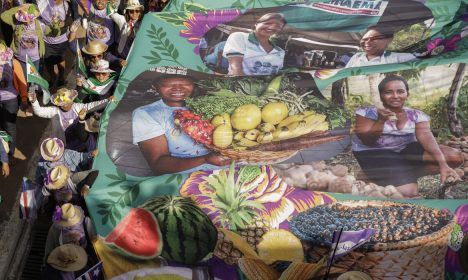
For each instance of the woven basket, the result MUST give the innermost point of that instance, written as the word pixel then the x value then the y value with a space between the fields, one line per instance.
pixel 420 258
pixel 255 157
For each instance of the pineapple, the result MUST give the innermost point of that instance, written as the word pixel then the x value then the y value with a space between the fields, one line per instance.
pixel 236 212
pixel 253 232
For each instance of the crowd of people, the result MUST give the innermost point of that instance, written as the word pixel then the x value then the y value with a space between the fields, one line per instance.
pixel 43 33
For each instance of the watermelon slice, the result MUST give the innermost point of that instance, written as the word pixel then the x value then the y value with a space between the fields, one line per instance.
pixel 137 235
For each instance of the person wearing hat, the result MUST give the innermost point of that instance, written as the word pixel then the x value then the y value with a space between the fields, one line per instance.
pixel 9 98
pixel 68 261
pixel 128 24
pixel 99 85
pixel 65 186
pixel 68 227
pixel 53 153
pixel 67 111
pixel 95 51
pixel 28 33
pixel 57 13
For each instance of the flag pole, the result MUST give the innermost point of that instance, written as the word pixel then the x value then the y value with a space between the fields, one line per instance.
pixel 329 264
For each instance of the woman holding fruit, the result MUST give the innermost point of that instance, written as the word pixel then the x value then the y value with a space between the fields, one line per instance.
pixel 166 148
pixel 254 53
pixel 394 144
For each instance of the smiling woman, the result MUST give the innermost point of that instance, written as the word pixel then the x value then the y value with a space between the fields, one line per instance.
pixel 253 53
pixel 165 147
pixel 394 145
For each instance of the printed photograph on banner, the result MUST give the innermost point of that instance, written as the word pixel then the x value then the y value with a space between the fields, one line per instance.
pixel 174 120
pixel 270 40
pixel 406 138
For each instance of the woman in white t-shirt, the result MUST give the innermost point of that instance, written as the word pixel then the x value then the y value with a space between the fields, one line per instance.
pixel 254 53
pixel 394 145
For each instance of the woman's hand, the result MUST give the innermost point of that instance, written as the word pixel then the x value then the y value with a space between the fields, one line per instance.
pixel 385 114
pixel 448 175
pixel 82 114
pixel 5 169
pixel 217 159
pixel 79 81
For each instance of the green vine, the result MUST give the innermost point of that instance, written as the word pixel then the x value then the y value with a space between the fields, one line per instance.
pixel 176 177
pixel 167 50
pixel 108 208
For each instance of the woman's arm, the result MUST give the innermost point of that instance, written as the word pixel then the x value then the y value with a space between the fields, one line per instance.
pixel 118 19
pixel 369 130
pixel 235 65
pixel 43 112
pixel 157 155
pixel 427 140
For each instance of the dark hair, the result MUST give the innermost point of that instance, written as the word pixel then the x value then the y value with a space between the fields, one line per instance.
pixel 269 16
pixel 127 16
pixel 391 78
pixel 385 30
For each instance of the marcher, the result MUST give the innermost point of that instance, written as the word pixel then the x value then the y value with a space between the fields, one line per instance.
pixel 67 187
pixel 65 262
pixel 29 33
pixel 8 98
pixel 59 14
pixel 53 153
pixel 128 24
pixel 67 111
pixel 99 85
pixel 68 228
pixel 4 158
pixel 95 51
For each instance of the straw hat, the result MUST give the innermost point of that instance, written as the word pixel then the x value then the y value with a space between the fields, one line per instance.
pixel 63 96
pixel 92 124
pixel 57 177
pixel 52 149
pixel 71 215
pixel 27 12
pixel 68 257
pixel 6 54
pixel 94 48
pixel 133 5
pixel 102 66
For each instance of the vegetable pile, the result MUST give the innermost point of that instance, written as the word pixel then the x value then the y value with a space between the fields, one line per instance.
pixel 319 176
pixel 219 102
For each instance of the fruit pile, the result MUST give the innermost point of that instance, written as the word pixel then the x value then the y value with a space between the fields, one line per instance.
pixel 461 144
pixel 394 223
pixel 200 130
pixel 249 125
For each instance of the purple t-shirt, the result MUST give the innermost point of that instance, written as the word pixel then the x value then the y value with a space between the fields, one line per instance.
pixel 6 74
pixel 392 138
pixel 28 42
pixel 100 27
pixel 53 13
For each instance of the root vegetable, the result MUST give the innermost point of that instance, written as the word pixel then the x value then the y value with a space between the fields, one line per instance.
pixel 339 170
pixel 340 185
pixel 319 165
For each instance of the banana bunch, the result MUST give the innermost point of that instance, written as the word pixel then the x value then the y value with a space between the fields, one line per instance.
pixel 288 127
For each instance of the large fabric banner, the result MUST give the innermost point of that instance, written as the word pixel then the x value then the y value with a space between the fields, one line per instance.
pixel 270 113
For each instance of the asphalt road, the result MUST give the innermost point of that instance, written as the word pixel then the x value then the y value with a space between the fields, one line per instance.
pixel 29 132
